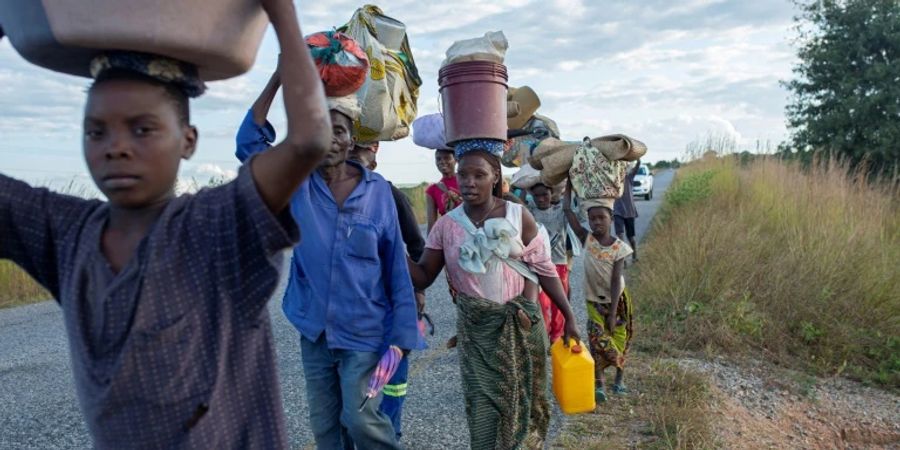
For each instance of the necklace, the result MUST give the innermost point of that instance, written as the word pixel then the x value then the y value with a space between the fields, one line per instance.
pixel 478 223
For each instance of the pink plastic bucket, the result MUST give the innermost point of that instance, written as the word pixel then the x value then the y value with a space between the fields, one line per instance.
pixel 473 94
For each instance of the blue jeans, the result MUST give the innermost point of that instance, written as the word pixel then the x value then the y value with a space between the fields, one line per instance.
pixel 395 395
pixel 336 383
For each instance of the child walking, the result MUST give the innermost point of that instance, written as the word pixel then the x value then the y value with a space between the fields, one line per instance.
pixel 553 218
pixel 608 303
pixel 164 297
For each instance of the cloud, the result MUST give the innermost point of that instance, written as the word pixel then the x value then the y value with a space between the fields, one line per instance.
pixel 195 176
pixel 665 72
pixel 227 95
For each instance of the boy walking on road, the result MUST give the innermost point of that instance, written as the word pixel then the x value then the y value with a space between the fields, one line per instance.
pixel 164 297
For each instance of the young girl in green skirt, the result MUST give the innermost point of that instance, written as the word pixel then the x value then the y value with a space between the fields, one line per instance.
pixel 608 303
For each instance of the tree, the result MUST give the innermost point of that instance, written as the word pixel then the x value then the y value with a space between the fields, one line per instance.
pixel 846 93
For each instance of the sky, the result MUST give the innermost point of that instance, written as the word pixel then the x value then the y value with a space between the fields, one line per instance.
pixel 664 72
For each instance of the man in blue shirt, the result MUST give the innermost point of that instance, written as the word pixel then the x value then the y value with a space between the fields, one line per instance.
pixel 395 389
pixel 349 292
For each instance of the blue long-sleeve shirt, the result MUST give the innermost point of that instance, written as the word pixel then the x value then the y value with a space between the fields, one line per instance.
pixel 349 277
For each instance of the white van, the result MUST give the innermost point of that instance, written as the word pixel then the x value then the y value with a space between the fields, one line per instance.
pixel 643 183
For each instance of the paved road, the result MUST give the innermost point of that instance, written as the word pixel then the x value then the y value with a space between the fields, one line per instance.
pixel 38 409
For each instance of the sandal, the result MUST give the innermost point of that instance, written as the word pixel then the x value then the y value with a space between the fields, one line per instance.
pixel 600 395
pixel 620 389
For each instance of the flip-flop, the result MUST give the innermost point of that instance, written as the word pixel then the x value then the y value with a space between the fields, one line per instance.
pixel 600 395
pixel 620 389
pixel 427 320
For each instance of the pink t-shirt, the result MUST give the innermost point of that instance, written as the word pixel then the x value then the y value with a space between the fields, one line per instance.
pixel 501 285
pixel 439 197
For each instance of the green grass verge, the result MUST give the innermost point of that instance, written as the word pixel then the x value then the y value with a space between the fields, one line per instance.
pixel 17 288
pixel 790 266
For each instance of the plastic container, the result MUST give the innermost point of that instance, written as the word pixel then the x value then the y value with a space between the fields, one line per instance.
pixel 473 95
pixel 573 377
pixel 220 37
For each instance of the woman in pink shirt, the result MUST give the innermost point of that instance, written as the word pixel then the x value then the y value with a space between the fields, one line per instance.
pixel 490 247
pixel 443 196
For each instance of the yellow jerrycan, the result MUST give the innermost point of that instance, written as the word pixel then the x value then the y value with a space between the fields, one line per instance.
pixel 573 377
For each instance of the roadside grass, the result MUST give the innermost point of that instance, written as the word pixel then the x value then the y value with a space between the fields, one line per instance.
pixel 668 408
pixel 17 288
pixel 795 267
pixel 758 259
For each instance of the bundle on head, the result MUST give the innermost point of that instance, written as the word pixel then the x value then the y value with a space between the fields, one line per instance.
pixel 342 64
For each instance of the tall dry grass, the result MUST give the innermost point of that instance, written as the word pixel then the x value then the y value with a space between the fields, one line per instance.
pixel 792 266
pixel 416 195
pixel 17 288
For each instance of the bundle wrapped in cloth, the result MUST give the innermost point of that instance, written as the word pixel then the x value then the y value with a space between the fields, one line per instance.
pixel 219 37
pixel 553 158
pixel 521 147
pixel 391 89
pixel 490 47
pixel 526 177
pixel 342 64
pixel 428 132
pixel 526 128
pixel 594 176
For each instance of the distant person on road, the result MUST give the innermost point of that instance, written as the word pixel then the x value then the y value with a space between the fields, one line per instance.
pixel 625 212
pixel 443 196
pixel 608 302
pixel 490 247
pixel 553 218
pixel 349 293
pixel 396 388
pixel 163 296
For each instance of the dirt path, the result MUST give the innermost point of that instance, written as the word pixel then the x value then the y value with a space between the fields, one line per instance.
pixel 696 403
pixel 760 408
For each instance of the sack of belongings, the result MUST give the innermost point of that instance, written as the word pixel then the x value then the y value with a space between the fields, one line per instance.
pixel 428 132
pixel 342 64
pixel 519 148
pixel 391 90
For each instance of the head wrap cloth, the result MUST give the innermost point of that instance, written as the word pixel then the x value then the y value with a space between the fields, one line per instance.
pixel 165 70
pixel 607 203
pixel 491 146
pixel 347 105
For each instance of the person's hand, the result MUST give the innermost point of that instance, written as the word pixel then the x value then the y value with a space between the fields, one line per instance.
pixel 570 331
pixel 420 302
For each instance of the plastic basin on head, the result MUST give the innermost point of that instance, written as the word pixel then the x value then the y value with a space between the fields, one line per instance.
pixel 473 95
pixel 220 37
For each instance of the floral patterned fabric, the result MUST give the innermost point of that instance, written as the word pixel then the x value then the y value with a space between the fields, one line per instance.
pixel 594 176
pixel 598 267
pixel 610 348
